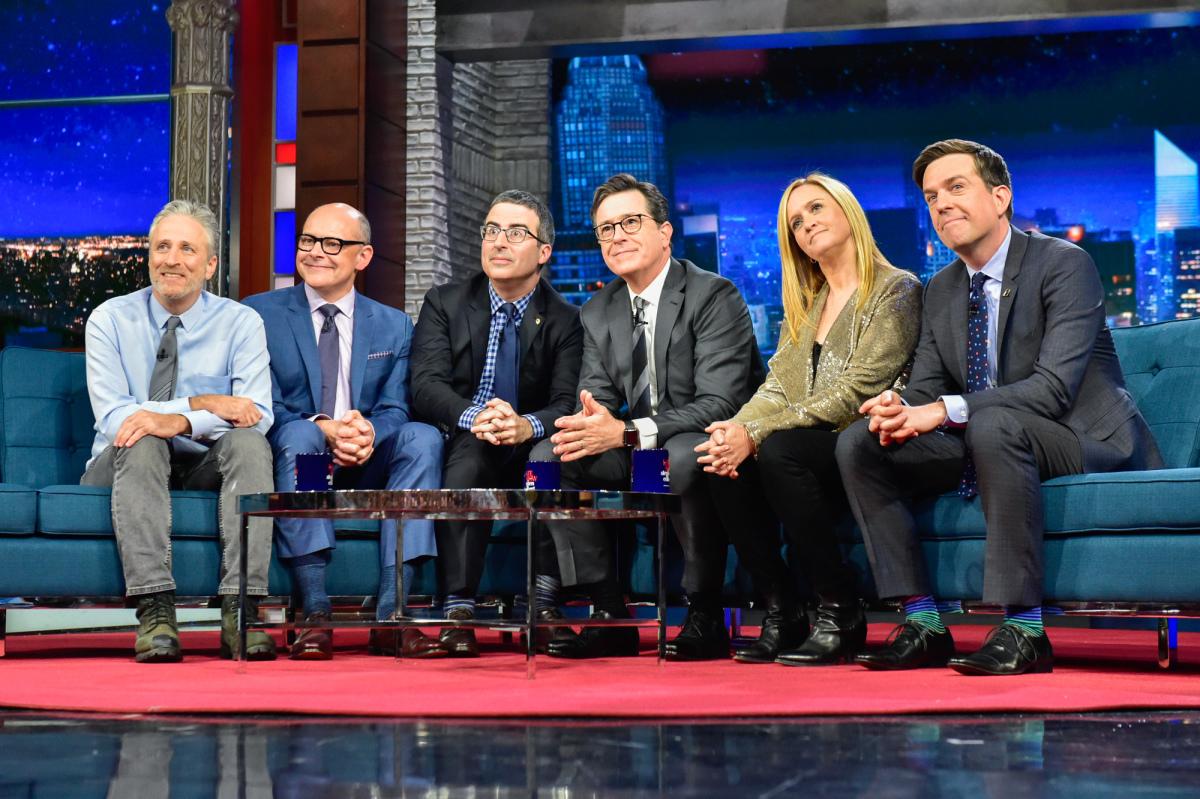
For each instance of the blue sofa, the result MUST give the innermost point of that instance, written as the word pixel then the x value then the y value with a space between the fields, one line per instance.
pixel 1125 543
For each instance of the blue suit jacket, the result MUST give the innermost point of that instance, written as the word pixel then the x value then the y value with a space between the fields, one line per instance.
pixel 378 362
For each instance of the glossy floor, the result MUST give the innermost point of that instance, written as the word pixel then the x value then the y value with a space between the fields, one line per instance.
pixel 1115 755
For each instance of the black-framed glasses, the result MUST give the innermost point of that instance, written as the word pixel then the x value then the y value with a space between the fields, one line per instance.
pixel 515 235
pixel 330 245
pixel 630 224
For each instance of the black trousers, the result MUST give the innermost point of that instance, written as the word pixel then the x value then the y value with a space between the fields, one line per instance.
pixel 462 545
pixel 1014 451
pixel 586 550
pixel 795 477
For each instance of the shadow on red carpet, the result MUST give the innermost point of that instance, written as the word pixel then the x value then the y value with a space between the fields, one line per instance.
pixel 1094 670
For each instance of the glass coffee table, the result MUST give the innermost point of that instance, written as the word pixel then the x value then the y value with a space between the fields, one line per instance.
pixel 532 506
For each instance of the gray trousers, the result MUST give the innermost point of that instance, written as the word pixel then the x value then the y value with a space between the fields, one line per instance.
pixel 239 462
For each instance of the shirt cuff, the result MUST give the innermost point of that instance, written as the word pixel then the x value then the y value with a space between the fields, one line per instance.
pixel 647 433
pixel 956 410
pixel 203 423
pixel 538 430
pixel 467 419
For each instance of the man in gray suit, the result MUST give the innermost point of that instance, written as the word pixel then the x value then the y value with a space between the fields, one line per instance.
pixel 667 348
pixel 1015 380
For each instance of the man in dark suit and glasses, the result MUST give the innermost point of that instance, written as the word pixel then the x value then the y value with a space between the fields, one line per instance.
pixel 667 348
pixel 1015 380
pixel 495 360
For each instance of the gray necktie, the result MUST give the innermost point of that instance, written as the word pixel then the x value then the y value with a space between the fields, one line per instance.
pixel 639 405
pixel 166 364
pixel 328 348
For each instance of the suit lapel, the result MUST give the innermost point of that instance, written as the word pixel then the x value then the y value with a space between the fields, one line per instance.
pixel 478 322
pixel 1008 291
pixel 620 323
pixel 364 334
pixel 960 298
pixel 531 322
pixel 300 319
pixel 670 301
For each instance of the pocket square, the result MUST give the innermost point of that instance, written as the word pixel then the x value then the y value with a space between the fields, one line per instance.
pixel 376 355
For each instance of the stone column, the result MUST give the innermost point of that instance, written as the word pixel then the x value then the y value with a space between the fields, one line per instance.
pixel 200 95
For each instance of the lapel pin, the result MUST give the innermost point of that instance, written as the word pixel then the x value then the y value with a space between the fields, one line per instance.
pixel 1006 293
pixel 537 320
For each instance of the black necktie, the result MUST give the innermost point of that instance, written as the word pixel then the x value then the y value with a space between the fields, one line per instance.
pixel 977 365
pixel 508 355
pixel 328 347
pixel 639 405
pixel 166 364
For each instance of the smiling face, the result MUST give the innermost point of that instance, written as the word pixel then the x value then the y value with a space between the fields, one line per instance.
pixel 818 224
pixel 513 268
pixel 180 262
pixel 636 257
pixel 968 215
pixel 332 276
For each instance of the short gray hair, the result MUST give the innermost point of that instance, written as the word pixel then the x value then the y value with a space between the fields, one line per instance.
pixel 545 230
pixel 201 213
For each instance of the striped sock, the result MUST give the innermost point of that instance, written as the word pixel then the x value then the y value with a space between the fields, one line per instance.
pixel 1028 619
pixel 455 602
pixel 923 612
pixel 945 606
pixel 546 590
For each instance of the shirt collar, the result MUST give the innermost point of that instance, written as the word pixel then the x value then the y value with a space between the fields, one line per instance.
pixel 654 291
pixel 345 304
pixel 994 268
pixel 187 320
pixel 495 300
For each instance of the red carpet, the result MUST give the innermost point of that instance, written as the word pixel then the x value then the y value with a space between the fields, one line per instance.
pixel 1095 670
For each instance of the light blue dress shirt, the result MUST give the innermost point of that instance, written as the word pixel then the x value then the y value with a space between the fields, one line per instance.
pixel 956 407
pixel 222 350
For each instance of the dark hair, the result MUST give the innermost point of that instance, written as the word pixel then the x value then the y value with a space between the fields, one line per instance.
pixel 545 230
pixel 656 203
pixel 988 163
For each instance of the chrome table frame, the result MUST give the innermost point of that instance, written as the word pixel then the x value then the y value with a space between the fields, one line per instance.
pixel 466 504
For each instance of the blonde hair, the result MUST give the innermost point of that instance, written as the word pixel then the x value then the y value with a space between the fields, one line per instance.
pixel 802 277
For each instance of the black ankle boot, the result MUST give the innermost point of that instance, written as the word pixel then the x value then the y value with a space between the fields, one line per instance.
pixel 839 634
pixel 784 627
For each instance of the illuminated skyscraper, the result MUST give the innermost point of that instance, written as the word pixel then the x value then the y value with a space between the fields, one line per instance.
pixel 1176 195
pixel 608 121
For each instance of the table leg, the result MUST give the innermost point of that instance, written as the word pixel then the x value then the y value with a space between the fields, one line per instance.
pixel 662 592
pixel 530 594
pixel 401 610
pixel 244 576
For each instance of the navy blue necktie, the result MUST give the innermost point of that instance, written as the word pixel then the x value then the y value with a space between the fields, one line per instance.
pixel 328 348
pixel 977 365
pixel 508 356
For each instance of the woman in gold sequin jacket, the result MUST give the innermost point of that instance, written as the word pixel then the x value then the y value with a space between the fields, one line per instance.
pixel 851 322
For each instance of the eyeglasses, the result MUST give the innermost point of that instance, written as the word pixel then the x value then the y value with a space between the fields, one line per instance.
pixel 630 224
pixel 330 245
pixel 515 235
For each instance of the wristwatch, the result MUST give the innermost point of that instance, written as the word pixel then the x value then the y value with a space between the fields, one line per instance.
pixel 632 439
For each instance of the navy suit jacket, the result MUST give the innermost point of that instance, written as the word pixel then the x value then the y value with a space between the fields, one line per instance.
pixel 378 363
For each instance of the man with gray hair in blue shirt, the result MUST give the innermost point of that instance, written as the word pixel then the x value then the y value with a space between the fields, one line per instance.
pixel 180 385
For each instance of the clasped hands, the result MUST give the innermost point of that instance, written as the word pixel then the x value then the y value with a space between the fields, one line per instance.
pixel 590 432
pixel 501 425
pixel 894 422
pixel 238 411
pixel 351 439
pixel 728 445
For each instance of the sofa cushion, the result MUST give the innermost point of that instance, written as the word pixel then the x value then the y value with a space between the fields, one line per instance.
pixel 18 509
pixel 75 510
pixel 46 423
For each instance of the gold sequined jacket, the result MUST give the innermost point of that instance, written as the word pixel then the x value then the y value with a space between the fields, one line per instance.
pixel 865 352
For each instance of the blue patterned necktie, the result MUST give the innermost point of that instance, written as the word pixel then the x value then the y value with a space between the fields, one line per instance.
pixel 977 366
pixel 329 350
pixel 508 357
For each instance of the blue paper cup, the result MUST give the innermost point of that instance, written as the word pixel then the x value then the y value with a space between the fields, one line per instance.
pixel 543 475
pixel 314 471
pixel 651 471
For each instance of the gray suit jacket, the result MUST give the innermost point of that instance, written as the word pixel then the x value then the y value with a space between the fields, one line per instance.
pixel 1056 356
pixel 705 356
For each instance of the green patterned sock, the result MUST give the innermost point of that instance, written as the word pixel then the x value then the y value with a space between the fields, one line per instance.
pixel 922 611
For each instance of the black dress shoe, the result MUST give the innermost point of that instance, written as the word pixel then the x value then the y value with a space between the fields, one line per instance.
pixel 597 642
pixel 703 637
pixel 910 646
pixel 459 642
pixel 1008 650
pixel 784 627
pixel 313 644
pixel 838 636
pixel 545 635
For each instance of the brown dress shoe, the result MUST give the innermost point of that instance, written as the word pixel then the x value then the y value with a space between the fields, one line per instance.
pixel 459 642
pixel 313 644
